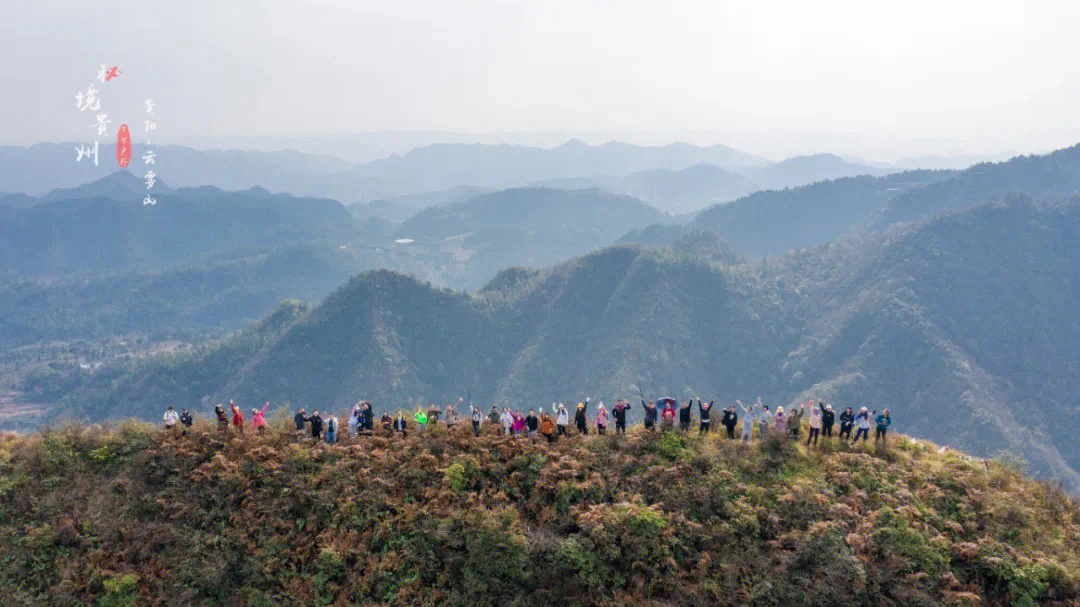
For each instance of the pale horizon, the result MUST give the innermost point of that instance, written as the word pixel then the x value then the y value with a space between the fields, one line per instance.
pixel 877 83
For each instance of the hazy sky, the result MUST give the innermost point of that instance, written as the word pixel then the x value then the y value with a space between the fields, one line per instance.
pixel 877 79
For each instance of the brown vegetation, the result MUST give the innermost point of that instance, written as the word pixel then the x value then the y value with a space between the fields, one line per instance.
pixel 129 515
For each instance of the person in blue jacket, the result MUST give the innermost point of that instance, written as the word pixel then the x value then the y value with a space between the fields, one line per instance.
pixel 882 420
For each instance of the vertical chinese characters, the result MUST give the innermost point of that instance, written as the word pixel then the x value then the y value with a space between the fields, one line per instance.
pixel 149 157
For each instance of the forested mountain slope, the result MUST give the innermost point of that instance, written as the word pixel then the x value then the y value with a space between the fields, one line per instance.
pixel 970 347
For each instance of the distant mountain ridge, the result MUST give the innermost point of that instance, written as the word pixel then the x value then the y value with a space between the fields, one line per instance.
pixel 772 222
pixel 41 168
pixel 105 227
pixel 1056 174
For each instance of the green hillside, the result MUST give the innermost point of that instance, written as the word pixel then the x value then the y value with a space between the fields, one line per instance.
pixel 465 243
pixel 973 348
pixel 132 517
pixel 101 234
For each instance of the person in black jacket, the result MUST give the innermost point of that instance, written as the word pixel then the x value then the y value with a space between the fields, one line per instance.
pixel 828 418
pixel 300 419
pixel 531 421
pixel 729 420
pixel 580 419
pixel 316 424
pixel 401 423
pixel 847 422
pixel 368 419
pixel 650 415
pixel 222 420
pixel 684 415
pixel 185 421
pixel 704 416
pixel 620 409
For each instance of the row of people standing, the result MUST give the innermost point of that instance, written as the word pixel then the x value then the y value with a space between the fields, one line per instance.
pixel 361 419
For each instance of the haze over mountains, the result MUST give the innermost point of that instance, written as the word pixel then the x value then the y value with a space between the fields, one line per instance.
pixel 851 305
pixel 655 174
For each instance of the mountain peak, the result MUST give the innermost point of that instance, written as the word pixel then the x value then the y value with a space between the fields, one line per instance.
pixel 118 185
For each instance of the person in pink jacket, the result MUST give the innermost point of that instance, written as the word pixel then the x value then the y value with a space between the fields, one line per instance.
pixel 258 418
pixel 519 424
pixel 601 418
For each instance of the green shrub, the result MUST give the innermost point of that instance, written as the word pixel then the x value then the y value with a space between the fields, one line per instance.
pixel 120 592
pixel 496 569
pixel 585 565
pixel 670 445
pixel 647 523
pixel 463 475
pixel 893 536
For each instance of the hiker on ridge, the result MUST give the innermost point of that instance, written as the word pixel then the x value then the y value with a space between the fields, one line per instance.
pixel 729 420
pixel 684 415
pixel 477 419
pixel 619 410
pixel 667 416
pixel 704 416
pixel 171 418
pixel 580 419
pixel 847 421
pixel 222 420
pixel 562 418
pixel 816 414
pixel 353 423
pixel 779 422
pixel 258 418
pixel 450 411
pixel 862 423
pixel 650 414
pixel 828 418
pixel 883 421
pixel 367 417
pixel 519 422
pixel 507 421
pixel 547 426
pixel 749 414
pixel 794 420
pixel 601 418
pixel 237 417
pixel 331 429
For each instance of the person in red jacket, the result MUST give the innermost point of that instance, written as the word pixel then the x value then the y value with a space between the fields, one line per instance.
pixel 667 415
pixel 237 417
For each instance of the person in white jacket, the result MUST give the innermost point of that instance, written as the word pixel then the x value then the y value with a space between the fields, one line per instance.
pixel 862 425
pixel 562 418
pixel 171 418
pixel 507 421
pixel 749 415
pixel 815 421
